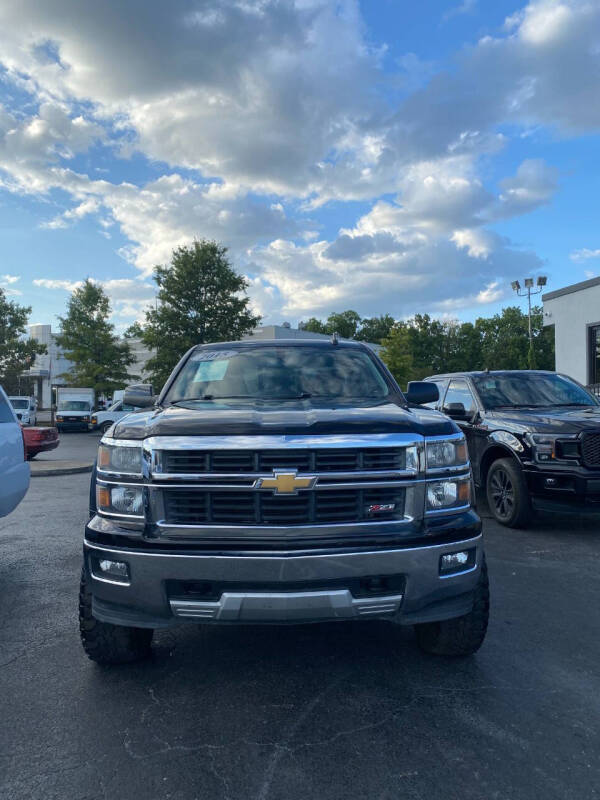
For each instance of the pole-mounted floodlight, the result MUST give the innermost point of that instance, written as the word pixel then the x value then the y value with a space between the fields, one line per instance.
pixel 527 292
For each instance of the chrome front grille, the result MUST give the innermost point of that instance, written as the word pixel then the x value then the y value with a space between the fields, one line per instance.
pixel 188 462
pixel 299 485
pixel 193 506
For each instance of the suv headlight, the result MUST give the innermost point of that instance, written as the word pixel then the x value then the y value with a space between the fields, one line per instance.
pixel 445 453
pixel 123 458
pixel 448 494
pixel 549 447
pixel 127 501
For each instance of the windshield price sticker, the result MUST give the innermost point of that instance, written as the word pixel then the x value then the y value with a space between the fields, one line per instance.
pixel 213 355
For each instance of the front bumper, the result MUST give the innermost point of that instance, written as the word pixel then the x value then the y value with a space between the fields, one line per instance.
pixel 71 425
pixel 290 587
pixel 562 488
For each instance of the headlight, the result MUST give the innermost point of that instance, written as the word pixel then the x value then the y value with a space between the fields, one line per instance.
pixel 116 499
pixel 445 495
pixel 548 447
pixel 59 419
pixel 446 453
pixel 124 459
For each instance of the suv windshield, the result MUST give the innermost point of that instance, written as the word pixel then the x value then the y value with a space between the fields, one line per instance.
pixel 74 405
pixel 279 373
pixel 19 402
pixel 530 390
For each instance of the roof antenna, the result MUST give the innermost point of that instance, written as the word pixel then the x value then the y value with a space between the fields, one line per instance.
pixel 335 338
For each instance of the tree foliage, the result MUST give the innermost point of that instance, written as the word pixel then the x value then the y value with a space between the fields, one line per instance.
pixel 349 325
pixel 17 353
pixel 87 339
pixel 422 346
pixel 200 299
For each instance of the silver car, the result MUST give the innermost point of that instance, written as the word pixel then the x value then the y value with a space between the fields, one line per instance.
pixel 14 469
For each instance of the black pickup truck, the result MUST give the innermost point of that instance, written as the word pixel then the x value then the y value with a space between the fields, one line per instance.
pixel 533 437
pixel 282 483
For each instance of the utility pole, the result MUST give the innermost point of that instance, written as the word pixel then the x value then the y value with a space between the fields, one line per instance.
pixel 527 292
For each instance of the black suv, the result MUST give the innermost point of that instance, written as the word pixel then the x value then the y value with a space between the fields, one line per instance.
pixel 533 438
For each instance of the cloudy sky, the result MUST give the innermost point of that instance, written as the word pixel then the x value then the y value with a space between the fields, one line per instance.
pixel 386 156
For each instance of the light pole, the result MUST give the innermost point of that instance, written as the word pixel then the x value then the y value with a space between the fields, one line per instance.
pixel 527 292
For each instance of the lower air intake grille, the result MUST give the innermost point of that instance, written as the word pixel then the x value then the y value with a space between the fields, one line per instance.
pixel 590 449
pixel 198 507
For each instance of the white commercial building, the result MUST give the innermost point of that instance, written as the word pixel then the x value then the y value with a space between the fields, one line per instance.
pixel 575 313
pixel 48 368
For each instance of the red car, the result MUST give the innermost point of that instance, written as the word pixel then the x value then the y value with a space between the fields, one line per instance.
pixel 37 440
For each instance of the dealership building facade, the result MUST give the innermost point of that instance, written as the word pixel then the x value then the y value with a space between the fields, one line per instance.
pixel 575 313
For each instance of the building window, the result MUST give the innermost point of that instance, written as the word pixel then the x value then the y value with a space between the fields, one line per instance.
pixel 594 360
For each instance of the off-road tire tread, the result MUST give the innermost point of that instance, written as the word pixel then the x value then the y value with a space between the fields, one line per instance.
pixel 109 644
pixel 461 636
pixel 522 515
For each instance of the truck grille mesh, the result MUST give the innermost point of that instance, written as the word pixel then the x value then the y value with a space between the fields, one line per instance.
pixel 590 449
pixel 198 507
pixel 178 462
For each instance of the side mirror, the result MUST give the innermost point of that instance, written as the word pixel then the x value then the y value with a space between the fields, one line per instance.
pixel 139 400
pixel 419 392
pixel 457 411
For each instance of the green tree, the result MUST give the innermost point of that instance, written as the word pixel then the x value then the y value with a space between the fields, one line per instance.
pixel 345 323
pixel 375 329
pixel 134 331
pixel 200 299
pixel 314 325
pixel 17 354
pixel 87 338
pixel 397 354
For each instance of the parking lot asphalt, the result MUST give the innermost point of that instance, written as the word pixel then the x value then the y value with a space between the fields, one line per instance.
pixel 326 711
pixel 73 446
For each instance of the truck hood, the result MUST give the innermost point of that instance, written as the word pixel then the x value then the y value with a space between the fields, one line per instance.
pixel 553 419
pixel 219 418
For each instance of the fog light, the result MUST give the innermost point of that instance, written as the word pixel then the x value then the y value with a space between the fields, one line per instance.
pixel 117 568
pixel 457 562
pixel 106 569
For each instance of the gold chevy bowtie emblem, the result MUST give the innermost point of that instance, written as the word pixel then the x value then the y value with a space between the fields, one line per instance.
pixel 285 482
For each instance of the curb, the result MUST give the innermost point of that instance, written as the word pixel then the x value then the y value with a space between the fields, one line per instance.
pixel 45 472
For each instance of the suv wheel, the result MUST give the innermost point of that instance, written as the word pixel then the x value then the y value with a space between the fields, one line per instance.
pixel 105 643
pixel 105 426
pixel 461 636
pixel 507 495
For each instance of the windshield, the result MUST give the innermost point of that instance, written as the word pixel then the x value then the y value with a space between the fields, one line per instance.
pixel 19 402
pixel 521 389
pixel 74 405
pixel 279 373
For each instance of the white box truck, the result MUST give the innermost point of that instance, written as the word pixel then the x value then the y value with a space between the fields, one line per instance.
pixel 74 408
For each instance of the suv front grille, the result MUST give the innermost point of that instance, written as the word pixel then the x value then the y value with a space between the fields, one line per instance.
pixel 191 506
pixel 590 449
pixel 180 462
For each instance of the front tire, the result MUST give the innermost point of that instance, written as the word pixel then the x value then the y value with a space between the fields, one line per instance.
pixel 507 495
pixel 105 426
pixel 461 636
pixel 105 643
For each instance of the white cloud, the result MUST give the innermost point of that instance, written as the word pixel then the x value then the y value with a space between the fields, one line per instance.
pixel 584 254
pixel 55 283
pixel 7 285
pixel 279 116
pixel 128 296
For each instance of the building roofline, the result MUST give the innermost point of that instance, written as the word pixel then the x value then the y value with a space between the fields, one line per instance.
pixel 574 287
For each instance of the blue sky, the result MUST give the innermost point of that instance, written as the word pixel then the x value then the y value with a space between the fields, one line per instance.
pixel 387 156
